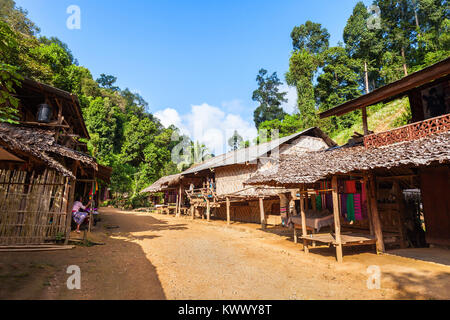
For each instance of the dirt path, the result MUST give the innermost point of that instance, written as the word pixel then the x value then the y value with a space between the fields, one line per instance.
pixel 157 257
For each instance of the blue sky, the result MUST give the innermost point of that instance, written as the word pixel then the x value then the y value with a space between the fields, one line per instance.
pixel 180 55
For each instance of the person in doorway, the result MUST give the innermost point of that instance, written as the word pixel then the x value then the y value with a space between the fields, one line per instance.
pixel 79 212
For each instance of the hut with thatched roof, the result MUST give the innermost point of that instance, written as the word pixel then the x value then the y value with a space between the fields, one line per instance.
pixel 365 183
pixel 42 165
pixel 215 187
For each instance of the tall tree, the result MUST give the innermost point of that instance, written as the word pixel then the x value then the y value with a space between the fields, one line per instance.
pixel 364 45
pixel 269 97
pixel 336 84
pixel 309 41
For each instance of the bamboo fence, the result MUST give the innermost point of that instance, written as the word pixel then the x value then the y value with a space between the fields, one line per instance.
pixel 33 207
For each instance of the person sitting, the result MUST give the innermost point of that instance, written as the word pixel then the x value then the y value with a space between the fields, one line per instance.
pixel 79 212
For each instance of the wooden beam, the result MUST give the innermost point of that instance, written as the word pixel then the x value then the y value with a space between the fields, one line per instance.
pixel 262 214
pixel 372 195
pixel 337 221
pixel 228 212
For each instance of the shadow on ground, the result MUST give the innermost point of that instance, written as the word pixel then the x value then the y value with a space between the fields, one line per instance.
pixel 117 270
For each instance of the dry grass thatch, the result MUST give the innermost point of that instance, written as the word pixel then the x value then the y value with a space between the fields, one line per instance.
pixel 162 184
pixel 314 166
pixel 42 145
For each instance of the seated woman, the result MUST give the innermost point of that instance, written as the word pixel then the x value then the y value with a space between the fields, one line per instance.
pixel 78 212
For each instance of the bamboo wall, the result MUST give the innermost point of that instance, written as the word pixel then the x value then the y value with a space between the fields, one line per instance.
pixel 231 178
pixel 249 211
pixel 33 207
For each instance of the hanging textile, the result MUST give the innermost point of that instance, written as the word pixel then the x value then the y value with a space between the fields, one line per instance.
pixel 365 214
pixel 329 200
pixel 350 207
pixel 358 207
pixel 344 205
pixel 350 186
pixel 93 191
pixel 318 203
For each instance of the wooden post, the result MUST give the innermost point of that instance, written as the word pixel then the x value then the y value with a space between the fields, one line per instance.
pixel 364 118
pixel 304 230
pixel 208 210
pixel 295 235
pixel 91 214
pixel 261 211
pixel 401 212
pixel 70 202
pixel 228 211
pixel 369 210
pixel 375 215
pixel 337 221
pixel 193 212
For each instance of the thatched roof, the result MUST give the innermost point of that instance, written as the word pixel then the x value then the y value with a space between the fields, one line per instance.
pixel 255 152
pixel 162 184
pixel 256 192
pixel 42 145
pixel 311 167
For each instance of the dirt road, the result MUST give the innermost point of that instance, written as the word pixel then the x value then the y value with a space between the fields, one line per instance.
pixel 156 257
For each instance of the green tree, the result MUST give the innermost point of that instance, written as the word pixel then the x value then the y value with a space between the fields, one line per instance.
pixel 337 84
pixel 365 45
pixel 107 81
pixel 269 97
pixel 310 37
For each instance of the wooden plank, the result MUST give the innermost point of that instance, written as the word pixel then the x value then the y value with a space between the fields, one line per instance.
pixel 337 221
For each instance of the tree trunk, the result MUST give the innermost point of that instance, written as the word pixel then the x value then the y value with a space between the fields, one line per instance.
pixel 405 68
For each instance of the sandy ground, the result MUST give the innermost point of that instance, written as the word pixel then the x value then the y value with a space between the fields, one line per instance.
pixel 157 257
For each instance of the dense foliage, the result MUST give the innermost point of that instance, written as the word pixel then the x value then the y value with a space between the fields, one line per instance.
pixel 124 135
pixel 382 44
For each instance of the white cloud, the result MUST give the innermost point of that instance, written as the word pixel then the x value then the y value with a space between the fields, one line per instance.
pixel 209 125
pixel 291 105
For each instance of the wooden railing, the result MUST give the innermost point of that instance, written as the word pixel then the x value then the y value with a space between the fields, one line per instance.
pixel 409 132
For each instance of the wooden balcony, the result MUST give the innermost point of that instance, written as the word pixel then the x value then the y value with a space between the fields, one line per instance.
pixel 409 132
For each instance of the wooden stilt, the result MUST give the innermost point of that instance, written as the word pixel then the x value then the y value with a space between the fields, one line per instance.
pixel 192 212
pixel 375 215
pixel 295 235
pixel 304 230
pixel 208 210
pixel 261 211
pixel 337 221
pixel 228 212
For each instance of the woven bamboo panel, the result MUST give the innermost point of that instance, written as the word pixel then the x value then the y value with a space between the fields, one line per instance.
pixel 33 207
pixel 231 178
pixel 249 213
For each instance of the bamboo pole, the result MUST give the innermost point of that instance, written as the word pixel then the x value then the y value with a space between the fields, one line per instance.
pixel 228 211
pixel 304 230
pixel 337 221
pixel 70 202
pixel 208 210
pixel 261 211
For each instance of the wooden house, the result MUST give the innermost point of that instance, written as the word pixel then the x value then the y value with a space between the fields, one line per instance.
pixel 43 164
pixel 377 172
pixel 216 186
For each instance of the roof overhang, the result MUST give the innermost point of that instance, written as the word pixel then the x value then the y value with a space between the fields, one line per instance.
pixel 393 90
